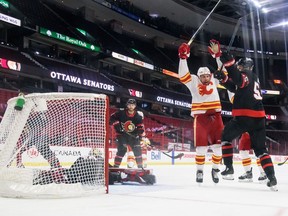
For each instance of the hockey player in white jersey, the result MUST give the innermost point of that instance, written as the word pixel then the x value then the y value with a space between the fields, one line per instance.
pixel 206 110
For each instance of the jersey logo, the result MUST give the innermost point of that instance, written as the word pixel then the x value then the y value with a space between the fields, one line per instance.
pixel 128 126
pixel 203 89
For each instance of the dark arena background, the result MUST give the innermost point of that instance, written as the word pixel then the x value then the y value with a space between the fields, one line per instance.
pixel 129 49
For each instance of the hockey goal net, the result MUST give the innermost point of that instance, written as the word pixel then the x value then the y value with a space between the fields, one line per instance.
pixel 54 145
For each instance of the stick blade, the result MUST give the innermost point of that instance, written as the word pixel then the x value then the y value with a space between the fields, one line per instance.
pixel 179 156
pixel 280 164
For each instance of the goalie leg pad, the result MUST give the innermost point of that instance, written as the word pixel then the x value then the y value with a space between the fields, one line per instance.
pixel 134 175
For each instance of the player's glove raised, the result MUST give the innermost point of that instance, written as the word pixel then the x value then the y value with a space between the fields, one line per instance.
pixel 184 51
pixel 227 59
pixel 214 48
pixel 221 76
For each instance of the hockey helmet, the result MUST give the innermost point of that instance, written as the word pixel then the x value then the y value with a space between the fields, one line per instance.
pixel 203 71
pixel 246 63
pixel 131 101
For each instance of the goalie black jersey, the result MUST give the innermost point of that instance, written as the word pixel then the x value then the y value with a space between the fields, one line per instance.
pixel 248 96
pixel 128 123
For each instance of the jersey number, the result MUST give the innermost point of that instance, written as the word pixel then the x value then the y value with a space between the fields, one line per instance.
pixel 257 92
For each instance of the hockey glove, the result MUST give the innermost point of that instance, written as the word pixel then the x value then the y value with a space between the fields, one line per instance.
pixel 227 59
pixel 221 76
pixel 184 51
pixel 145 143
pixel 214 48
pixel 118 127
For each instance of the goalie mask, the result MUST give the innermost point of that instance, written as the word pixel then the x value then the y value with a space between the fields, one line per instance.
pixel 245 64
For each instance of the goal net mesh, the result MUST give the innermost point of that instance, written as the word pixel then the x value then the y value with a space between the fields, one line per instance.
pixel 54 145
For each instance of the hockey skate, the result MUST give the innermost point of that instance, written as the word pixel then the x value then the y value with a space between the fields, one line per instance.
pixel 262 178
pixel 215 177
pixel 227 174
pixel 272 182
pixel 246 177
pixel 199 176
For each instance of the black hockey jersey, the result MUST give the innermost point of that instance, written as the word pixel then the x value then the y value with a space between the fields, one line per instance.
pixel 248 96
pixel 126 123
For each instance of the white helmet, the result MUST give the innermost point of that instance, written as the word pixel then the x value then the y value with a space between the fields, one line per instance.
pixel 203 71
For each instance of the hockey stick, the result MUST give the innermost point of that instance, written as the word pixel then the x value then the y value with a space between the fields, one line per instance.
pixel 180 155
pixel 234 33
pixel 202 24
pixel 232 38
pixel 280 164
pixel 239 22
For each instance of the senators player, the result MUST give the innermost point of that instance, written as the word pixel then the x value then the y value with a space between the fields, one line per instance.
pixel 206 110
pixel 130 130
pixel 247 110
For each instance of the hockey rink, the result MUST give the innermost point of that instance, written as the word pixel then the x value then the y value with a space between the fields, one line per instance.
pixel 175 193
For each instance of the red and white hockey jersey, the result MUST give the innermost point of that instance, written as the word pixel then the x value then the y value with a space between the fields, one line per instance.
pixel 204 97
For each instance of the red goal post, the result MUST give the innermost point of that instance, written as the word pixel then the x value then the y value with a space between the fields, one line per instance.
pixel 54 145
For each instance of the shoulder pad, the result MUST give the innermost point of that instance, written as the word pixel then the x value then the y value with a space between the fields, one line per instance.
pixel 141 114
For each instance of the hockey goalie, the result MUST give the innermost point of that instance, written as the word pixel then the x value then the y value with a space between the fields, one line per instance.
pixel 85 170
pixel 88 170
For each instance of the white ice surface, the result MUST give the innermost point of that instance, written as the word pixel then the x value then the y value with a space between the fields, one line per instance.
pixel 175 193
